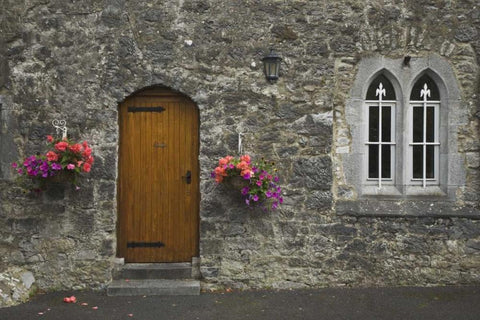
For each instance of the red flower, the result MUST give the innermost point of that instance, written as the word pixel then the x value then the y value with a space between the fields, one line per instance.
pixel 89 160
pixel 61 146
pixel 76 148
pixel 52 156
pixel 87 152
pixel 87 167
pixel 49 138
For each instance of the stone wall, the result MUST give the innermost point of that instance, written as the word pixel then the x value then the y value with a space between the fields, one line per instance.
pixel 78 60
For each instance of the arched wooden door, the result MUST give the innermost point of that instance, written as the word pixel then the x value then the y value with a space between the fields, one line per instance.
pixel 158 182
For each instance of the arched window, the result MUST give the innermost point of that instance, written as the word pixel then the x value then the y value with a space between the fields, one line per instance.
pixel 424 144
pixel 380 104
pixel 403 141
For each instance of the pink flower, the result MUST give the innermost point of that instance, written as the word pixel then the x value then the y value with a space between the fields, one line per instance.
pixel 52 156
pixel 49 138
pixel 245 158
pixel 61 146
pixel 259 183
pixel 70 166
pixel 76 148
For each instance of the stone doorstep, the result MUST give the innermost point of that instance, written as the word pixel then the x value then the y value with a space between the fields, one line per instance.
pixel 154 271
pixel 154 287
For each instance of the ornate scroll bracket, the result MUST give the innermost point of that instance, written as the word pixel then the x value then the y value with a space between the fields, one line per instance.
pixel 60 126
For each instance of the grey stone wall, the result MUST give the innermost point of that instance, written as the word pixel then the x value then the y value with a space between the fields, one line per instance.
pixel 78 60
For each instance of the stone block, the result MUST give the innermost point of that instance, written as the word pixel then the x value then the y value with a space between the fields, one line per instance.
pixel 312 173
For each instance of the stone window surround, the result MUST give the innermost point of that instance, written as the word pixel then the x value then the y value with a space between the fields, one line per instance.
pixel 452 171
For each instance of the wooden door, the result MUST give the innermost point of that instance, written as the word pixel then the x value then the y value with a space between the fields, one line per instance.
pixel 158 183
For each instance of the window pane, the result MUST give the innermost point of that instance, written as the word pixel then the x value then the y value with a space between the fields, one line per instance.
pixel 430 162
pixel 417 162
pixel 373 124
pixel 418 124
pixel 419 85
pixel 387 85
pixel 386 162
pixel 430 124
pixel 386 124
pixel 373 161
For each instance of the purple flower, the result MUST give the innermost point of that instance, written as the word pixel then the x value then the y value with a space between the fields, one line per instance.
pixel 245 191
pixel 56 166
pixel 231 166
pixel 212 174
pixel 255 198
pixel 14 165
pixel 276 179
pixel 246 176
pixel 259 183
pixel 45 174
pixel 275 205
pixel 20 171
pixel 255 169
pixel 268 194
pixel 261 177
pixel 280 199
pixel 247 201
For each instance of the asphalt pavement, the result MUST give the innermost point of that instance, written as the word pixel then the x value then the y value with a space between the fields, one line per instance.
pixel 438 303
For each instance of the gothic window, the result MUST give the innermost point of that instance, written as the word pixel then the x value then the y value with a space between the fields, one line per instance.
pixel 402 132
pixel 380 103
pixel 424 144
pixel 420 164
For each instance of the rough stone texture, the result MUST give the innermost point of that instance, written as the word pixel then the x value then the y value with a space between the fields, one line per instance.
pixel 63 59
pixel 16 285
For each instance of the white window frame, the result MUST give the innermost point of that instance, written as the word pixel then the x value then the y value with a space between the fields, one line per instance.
pixel 424 182
pixel 381 104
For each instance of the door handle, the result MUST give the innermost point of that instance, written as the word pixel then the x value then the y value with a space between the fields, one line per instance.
pixel 188 177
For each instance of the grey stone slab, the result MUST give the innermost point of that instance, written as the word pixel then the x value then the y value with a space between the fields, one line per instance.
pixel 154 288
pixel 155 271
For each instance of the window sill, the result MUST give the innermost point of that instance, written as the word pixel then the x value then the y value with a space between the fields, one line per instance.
pixel 386 190
pixel 428 191
pixel 404 192
pixel 381 207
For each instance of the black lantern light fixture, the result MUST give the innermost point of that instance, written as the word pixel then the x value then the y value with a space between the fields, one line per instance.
pixel 271 66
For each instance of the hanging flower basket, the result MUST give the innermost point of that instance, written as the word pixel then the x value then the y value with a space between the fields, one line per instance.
pixel 257 181
pixel 63 162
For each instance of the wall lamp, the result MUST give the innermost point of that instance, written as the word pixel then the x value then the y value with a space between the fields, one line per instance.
pixel 271 66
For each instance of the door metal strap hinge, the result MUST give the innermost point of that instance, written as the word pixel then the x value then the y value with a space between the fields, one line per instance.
pixel 145 244
pixel 146 109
